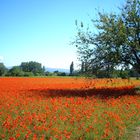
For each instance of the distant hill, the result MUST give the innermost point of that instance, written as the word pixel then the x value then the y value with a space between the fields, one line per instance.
pixel 50 69
pixel 57 69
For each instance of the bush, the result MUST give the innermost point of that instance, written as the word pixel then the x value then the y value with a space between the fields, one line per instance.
pixel 124 74
pixel 61 74
pixel 15 71
pixel 3 69
pixel 28 74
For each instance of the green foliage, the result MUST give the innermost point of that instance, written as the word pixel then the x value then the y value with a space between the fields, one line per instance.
pixel 3 69
pixel 61 74
pixel 15 71
pixel 28 74
pixel 82 67
pixel 124 74
pixel 33 67
pixel 117 43
pixel 55 73
pixel 27 69
pixel 47 73
pixel 71 68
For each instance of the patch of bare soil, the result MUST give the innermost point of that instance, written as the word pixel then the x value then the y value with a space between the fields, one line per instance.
pixel 136 134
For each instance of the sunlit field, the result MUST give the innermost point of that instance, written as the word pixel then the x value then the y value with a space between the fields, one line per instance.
pixel 68 108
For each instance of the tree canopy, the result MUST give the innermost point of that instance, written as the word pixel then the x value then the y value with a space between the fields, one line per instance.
pixel 3 69
pixel 31 68
pixel 34 67
pixel 117 43
pixel 15 71
pixel 71 68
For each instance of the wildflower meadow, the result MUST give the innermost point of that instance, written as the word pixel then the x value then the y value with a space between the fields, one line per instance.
pixel 68 108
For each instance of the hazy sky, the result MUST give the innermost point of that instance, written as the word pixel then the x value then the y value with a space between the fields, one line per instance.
pixel 41 30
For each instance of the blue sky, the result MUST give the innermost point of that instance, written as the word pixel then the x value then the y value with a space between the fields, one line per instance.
pixel 41 30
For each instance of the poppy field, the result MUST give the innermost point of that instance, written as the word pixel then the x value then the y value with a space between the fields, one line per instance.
pixel 68 108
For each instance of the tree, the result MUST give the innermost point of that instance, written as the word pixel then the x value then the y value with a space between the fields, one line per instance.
pixel 117 43
pixel 82 68
pixel 34 67
pixel 57 73
pixel 3 69
pixel 131 21
pixel 15 71
pixel 71 68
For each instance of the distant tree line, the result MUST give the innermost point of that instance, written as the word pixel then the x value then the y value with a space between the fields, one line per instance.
pixel 56 73
pixel 28 69
pixel 25 69
pixel 103 73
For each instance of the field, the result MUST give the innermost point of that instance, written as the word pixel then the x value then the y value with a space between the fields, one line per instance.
pixel 68 108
